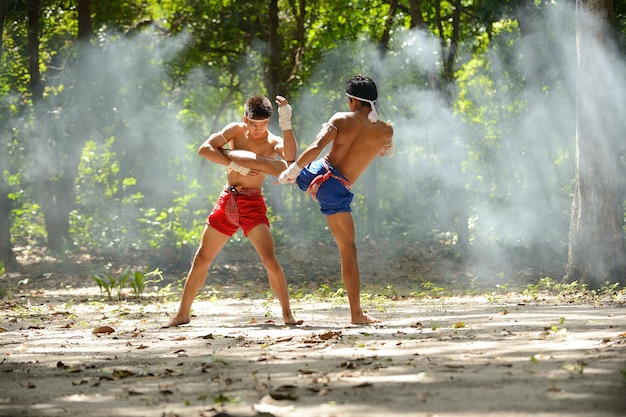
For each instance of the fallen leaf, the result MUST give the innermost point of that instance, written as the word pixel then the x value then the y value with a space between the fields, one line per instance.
pixel 330 334
pixel 103 329
pixel 83 381
pixel 122 373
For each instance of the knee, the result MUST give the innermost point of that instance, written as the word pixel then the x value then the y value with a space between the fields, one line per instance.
pixel 270 263
pixel 200 260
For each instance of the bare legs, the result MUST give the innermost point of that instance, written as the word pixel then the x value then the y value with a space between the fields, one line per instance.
pixel 262 241
pixel 342 228
pixel 211 243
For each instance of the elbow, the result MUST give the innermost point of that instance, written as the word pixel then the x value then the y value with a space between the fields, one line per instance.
pixel 204 150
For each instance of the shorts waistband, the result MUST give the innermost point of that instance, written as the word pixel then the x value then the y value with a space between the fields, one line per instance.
pixel 238 190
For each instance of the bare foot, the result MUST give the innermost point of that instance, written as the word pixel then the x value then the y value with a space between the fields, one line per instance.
pixel 290 320
pixel 176 321
pixel 364 318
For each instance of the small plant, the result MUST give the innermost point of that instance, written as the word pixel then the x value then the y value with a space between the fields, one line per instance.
pixel 140 280
pixel 109 283
pixel 267 304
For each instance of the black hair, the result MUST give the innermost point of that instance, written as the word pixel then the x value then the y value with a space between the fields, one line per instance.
pixel 257 108
pixel 362 86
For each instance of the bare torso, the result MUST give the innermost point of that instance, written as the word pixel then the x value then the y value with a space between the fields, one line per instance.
pixel 357 143
pixel 266 146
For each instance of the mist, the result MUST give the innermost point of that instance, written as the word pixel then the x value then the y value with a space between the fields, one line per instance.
pixel 503 159
pixel 512 175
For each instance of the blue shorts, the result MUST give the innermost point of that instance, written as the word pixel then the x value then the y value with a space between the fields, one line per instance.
pixel 332 195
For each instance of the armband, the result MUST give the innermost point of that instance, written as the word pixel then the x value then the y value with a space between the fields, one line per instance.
pixel 284 117
pixel 290 174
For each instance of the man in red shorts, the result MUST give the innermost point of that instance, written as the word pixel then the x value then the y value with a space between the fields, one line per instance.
pixel 241 203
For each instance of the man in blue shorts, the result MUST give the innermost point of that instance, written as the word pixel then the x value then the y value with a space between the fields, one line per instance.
pixel 357 138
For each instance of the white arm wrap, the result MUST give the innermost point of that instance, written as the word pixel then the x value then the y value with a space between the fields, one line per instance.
pixel 290 174
pixel 284 117
pixel 236 167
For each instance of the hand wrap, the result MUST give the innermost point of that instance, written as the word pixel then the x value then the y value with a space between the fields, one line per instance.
pixel 236 167
pixel 290 174
pixel 284 117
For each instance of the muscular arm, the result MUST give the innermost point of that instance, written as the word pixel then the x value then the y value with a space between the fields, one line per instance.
pixel 251 160
pixel 289 148
pixel 323 138
pixel 212 148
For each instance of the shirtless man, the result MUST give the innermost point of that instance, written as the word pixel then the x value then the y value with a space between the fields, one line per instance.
pixel 357 138
pixel 241 203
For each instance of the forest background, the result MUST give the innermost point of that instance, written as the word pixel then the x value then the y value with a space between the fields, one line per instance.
pixel 104 104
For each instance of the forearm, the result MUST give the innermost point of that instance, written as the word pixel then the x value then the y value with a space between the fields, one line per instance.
pixel 324 137
pixel 290 148
pixel 309 155
pixel 211 151
pixel 251 160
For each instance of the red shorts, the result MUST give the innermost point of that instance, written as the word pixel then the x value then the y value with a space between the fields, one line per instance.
pixel 243 208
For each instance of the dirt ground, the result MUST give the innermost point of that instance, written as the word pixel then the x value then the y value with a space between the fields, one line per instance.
pixel 68 351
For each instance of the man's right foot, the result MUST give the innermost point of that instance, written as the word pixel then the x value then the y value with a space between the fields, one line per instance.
pixel 176 321
pixel 364 318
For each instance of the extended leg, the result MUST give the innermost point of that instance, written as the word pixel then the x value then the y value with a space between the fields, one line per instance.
pixel 342 228
pixel 262 240
pixel 211 243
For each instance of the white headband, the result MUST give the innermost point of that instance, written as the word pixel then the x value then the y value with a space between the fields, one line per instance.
pixel 373 116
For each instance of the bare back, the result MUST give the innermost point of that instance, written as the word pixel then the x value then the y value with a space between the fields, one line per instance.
pixel 357 143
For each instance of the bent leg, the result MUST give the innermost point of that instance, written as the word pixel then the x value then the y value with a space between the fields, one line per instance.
pixel 211 243
pixel 261 238
pixel 342 228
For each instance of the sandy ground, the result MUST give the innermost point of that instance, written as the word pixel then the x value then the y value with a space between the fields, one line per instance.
pixel 432 357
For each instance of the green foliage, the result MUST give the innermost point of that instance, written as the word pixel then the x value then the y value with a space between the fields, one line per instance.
pixel 109 283
pixel 125 116
pixel 140 280
pixel 116 283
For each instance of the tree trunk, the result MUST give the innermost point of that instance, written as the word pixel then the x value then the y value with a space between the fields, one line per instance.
pixel 370 178
pixel 57 191
pixel 457 192
pixel 597 247
pixel 43 171
pixel 6 249
pixel 417 18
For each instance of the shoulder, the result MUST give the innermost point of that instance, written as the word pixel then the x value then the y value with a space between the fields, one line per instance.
pixel 234 128
pixel 274 139
pixel 342 120
pixel 387 127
